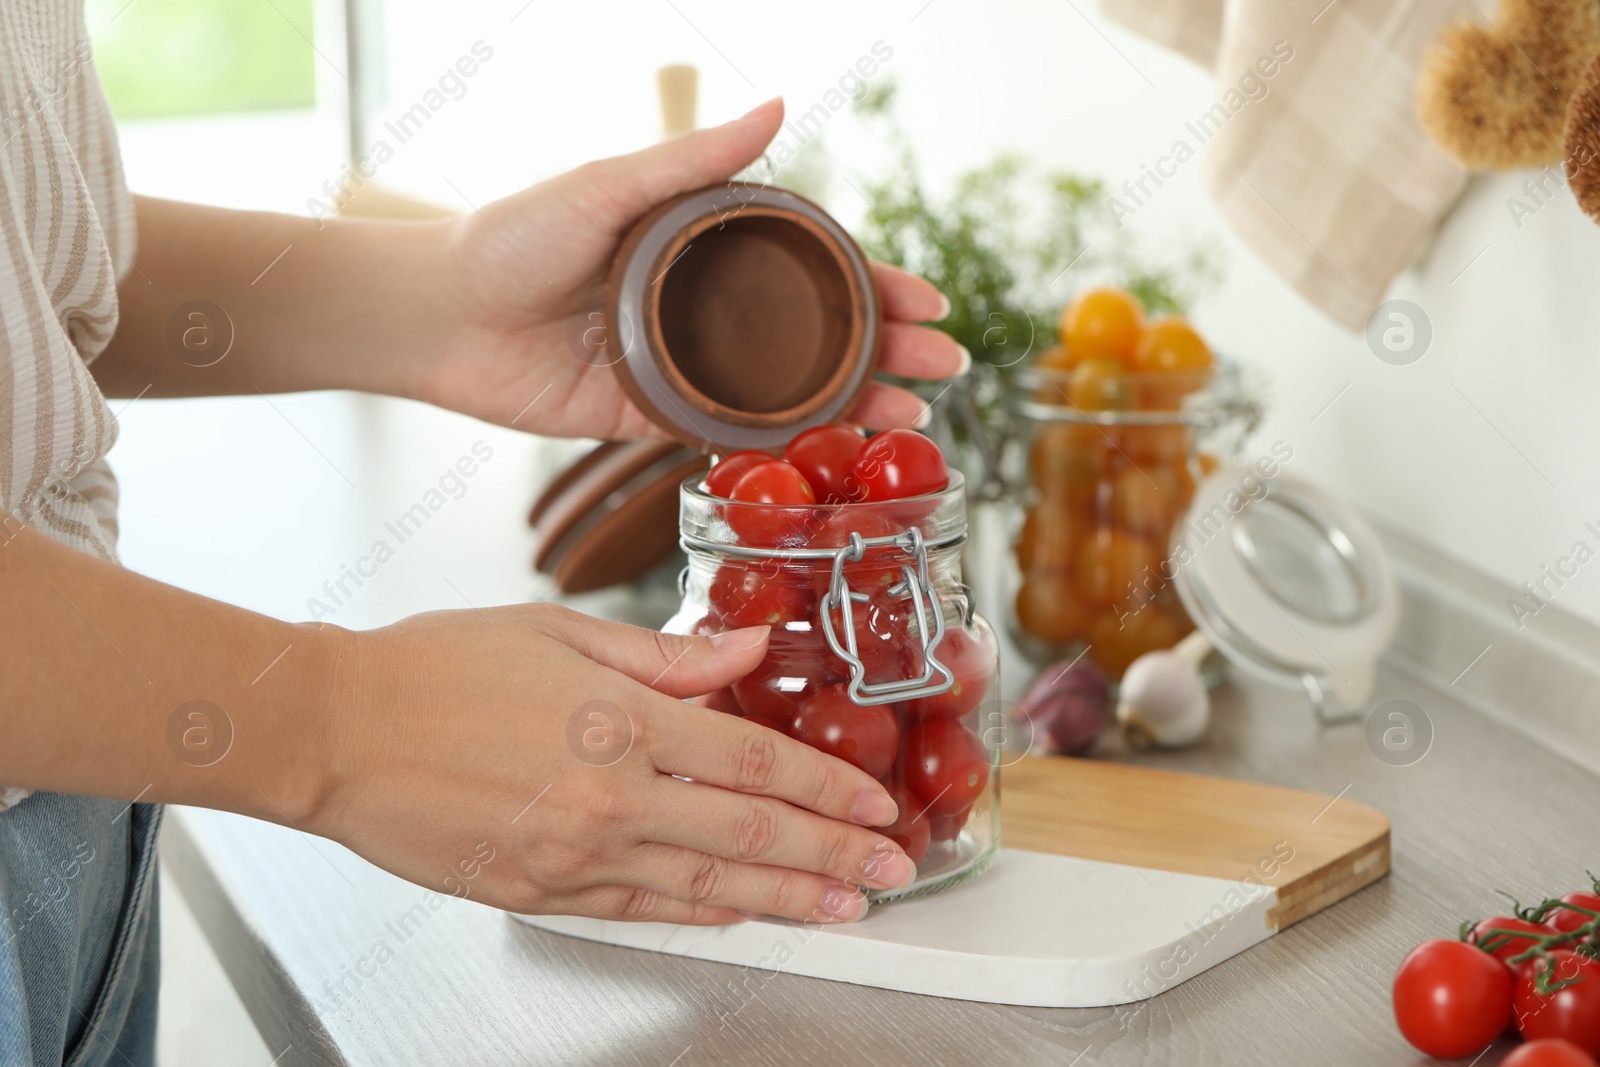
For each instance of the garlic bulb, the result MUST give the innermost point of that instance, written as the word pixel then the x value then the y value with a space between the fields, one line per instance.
pixel 1163 702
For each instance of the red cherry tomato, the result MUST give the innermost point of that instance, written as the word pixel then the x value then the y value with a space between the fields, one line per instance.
pixel 755 594
pixel 896 464
pixel 1571 1011
pixel 826 455
pixel 1565 919
pixel 724 701
pixel 1451 998
pixel 727 471
pixel 879 568
pixel 945 766
pixel 948 827
pixel 792 671
pixel 886 638
pixel 911 830
pixel 1548 1052
pixel 778 483
pixel 833 723
pixel 1504 946
pixel 838 523
pixel 970 656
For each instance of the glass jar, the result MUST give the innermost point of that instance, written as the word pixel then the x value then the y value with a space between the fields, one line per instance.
pixel 1110 474
pixel 876 654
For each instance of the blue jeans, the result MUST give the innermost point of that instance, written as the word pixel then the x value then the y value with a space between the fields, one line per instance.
pixel 79 934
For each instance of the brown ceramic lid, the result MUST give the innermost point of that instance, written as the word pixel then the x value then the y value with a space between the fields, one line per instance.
pixel 742 314
pixel 612 515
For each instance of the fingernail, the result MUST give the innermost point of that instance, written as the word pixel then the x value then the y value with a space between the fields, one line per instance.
pixel 745 913
pixel 758 108
pixel 894 872
pixel 924 417
pixel 739 640
pixel 874 809
pixel 944 309
pixel 966 361
pixel 844 905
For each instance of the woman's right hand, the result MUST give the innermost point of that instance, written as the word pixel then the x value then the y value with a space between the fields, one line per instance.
pixel 542 761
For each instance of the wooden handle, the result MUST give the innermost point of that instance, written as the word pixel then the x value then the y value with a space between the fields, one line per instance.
pixel 677 84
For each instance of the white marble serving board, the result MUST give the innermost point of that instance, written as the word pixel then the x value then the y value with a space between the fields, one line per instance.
pixel 1036 929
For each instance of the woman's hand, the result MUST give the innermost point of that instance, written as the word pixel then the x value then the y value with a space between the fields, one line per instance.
pixel 471 313
pixel 516 273
pixel 536 759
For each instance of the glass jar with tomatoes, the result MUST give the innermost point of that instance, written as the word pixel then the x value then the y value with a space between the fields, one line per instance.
pixel 1119 422
pixel 876 655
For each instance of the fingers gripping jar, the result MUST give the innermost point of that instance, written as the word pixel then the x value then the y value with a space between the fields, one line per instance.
pixel 876 655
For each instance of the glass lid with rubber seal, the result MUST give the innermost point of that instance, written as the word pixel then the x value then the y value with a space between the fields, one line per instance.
pixel 1288 582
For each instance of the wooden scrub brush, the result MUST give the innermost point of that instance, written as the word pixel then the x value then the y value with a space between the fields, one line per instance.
pixel 1495 97
pixel 1583 141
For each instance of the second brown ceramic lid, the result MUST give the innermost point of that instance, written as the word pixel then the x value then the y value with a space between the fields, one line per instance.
pixel 612 515
pixel 739 315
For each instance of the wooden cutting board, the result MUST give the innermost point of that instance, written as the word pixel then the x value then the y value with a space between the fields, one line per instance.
pixel 1114 884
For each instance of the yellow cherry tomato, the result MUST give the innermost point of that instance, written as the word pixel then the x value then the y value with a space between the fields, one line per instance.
pixel 1114 565
pixel 1102 322
pixel 1144 501
pixel 1056 358
pixel 1049 608
pixel 1116 641
pixel 1101 383
pixel 1050 535
pixel 1168 346
pixel 1173 361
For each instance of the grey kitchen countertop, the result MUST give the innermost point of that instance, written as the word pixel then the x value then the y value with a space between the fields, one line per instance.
pixel 315 941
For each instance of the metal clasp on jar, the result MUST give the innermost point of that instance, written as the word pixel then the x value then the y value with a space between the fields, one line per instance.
pixel 915 586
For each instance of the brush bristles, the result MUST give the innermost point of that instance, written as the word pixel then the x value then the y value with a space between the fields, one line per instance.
pixel 1583 142
pixel 1495 98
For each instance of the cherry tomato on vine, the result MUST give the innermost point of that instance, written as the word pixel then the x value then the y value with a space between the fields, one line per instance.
pixel 727 471
pixel 945 766
pixel 970 657
pixel 826 456
pixel 833 723
pixel 1504 946
pixel 772 482
pixel 1451 998
pixel 1566 919
pixel 911 830
pixel 1571 1010
pixel 897 464
pixel 1548 1052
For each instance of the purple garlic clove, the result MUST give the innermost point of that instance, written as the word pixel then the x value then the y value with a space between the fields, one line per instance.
pixel 1069 703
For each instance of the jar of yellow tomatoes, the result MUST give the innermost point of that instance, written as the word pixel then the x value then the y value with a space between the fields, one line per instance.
pixel 1120 421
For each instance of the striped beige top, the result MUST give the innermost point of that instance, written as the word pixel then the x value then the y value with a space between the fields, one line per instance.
pixel 66 237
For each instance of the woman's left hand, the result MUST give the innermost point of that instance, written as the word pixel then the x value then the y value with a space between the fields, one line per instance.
pixel 519 271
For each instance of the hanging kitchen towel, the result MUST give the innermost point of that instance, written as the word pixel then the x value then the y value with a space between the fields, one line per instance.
pixel 1319 166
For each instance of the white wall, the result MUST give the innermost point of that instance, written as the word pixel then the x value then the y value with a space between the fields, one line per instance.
pixel 1505 486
